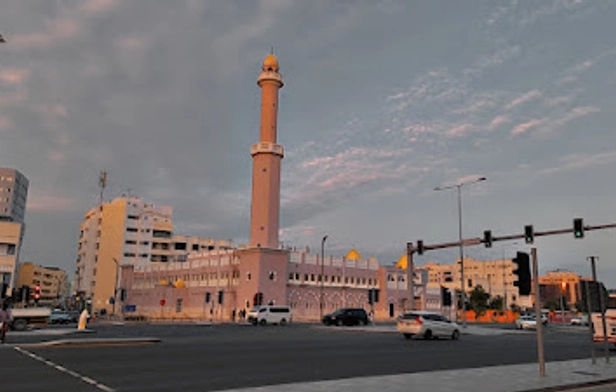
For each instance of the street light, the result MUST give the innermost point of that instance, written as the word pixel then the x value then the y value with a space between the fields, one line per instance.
pixel 459 188
pixel 322 276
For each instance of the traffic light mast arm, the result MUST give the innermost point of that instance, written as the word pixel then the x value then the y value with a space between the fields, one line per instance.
pixel 477 241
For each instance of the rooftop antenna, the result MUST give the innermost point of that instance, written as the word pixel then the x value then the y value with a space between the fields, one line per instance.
pixel 102 183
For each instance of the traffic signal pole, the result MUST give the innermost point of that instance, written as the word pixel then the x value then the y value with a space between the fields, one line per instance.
pixel 606 347
pixel 538 320
pixel 409 275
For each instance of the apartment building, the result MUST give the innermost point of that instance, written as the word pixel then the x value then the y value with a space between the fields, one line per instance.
pixel 13 196
pixel 561 283
pixel 52 280
pixel 494 276
pixel 128 231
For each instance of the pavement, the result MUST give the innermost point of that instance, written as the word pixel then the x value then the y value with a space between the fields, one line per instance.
pixel 296 357
pixel 561 375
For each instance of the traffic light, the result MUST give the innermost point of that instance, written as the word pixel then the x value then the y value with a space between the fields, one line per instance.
pixel 373 296
pixel 529 234
pixel 420 247
pixel 208 297
pixel 220 297
pixel 37 294
pixel 446 299
pixel 578 228
pixel 487 238
pixel 523 283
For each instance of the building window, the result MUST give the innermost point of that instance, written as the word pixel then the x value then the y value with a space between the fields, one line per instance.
pixel 131 242
pixel 248 276
pixel 129 255
pixel 272 275
pixel 195 247
pixel 131 229
pixel 133 217
pixel 291 276
pixel 178 305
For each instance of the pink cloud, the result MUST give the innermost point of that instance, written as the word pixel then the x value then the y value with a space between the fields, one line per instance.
pixel 459 130
pixel 498 121
pixel 14 76
pixel 526 97
pixel 524 127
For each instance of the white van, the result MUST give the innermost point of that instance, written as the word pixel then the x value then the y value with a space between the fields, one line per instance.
pixel 263 315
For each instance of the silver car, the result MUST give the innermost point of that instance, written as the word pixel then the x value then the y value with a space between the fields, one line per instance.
pixel 429 325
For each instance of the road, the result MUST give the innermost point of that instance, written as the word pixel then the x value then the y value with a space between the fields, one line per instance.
pixel 201 358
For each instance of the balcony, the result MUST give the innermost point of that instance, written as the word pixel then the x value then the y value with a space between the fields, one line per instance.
pixel 266 148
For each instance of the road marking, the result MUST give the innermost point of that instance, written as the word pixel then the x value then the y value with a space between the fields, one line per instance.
pixel 62 369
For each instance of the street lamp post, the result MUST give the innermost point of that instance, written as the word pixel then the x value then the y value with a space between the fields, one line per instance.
pixel 462 285
pixel 322 277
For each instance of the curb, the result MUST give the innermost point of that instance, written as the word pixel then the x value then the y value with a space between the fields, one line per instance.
pixel 91 342
pixel 568 387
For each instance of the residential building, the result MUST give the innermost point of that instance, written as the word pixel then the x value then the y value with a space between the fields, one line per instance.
pixel 494 276
pixel 13 196
pixel 127 231
pixel 52 281
pixel 561 283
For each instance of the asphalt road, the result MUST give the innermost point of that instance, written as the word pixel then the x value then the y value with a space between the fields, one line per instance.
pixel 200 358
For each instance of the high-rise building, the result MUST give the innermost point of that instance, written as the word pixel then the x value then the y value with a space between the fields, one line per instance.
pixel 127 231
pixel 13 196
pixel 52 281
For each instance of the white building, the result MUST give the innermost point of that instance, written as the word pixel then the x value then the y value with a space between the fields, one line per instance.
pixel 13 196
pixel 127 231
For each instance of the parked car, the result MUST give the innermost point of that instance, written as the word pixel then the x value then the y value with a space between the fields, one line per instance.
pixel 347 316
pixel 60 318
pixel 262 315
pixel 580 320
pixel 429 325
pixel 526 322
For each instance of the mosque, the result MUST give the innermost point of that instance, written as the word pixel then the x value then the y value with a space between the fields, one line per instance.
pixel 218 285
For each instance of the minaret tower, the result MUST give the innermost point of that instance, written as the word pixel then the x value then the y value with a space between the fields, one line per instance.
pixel 266 158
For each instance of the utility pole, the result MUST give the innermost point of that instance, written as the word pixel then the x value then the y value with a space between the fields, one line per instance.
pixel 322 277
pixel 102 183
pixel 590 326
pixel 606 347
pixel 538 321
pixel 409 275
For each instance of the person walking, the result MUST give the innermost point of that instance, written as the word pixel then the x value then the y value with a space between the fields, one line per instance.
pixel 5 319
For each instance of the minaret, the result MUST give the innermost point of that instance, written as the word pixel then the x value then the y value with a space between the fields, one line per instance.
pixel 266 158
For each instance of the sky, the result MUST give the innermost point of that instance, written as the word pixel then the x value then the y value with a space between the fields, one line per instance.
pixel 383 101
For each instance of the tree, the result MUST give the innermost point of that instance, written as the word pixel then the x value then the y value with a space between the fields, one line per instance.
pixel 478 300
pixel 496 303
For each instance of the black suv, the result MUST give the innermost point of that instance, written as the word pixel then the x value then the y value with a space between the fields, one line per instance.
pixel 347 316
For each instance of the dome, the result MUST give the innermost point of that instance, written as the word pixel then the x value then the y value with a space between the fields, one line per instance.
pixel 179 284
pixel 353 255
pixel 270 63
pixel 402 262
pixel 163 282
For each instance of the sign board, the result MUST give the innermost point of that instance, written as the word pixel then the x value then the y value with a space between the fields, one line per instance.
pixel 130 308
pixel 162 302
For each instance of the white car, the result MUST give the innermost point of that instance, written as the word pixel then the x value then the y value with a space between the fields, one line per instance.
pixel 429 325
pixel 262 315
pixel 526 322
pixel 580 320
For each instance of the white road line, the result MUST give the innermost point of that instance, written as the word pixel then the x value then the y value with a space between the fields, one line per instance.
pixel 62 369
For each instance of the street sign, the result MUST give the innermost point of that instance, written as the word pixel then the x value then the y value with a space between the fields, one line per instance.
pixel 162 302
pixel 130 308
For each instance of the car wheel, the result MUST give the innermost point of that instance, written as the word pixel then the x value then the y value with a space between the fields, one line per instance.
pixel 262 322
pixel 327 322
pixel 339 323
pixel 455 335
pixel 428 335
pixel 254 322
pixel 408 335
pixel 283 322
pixel 20 324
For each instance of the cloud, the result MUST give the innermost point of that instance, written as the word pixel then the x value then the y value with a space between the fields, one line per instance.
pixel 581 161
pixel 497 122
pixel 561 119
pixel 525 127
pixel 48 203
pixel 14 76
pixel 524 98
pixel 459 130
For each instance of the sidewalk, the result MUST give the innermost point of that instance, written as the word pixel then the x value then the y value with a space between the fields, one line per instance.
pixel 512 378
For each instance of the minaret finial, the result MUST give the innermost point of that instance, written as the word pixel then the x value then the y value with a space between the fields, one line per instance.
pixel 272 49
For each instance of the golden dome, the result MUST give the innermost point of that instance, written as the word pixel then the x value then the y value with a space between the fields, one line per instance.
pixel 179 284
pixel 163 282
pixel 353 255
pixel 402 262
pixel 270 63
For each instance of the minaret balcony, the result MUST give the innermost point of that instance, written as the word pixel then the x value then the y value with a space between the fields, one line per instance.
pixel 266 148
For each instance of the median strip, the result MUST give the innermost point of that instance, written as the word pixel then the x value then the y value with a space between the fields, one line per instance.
pixel 93 342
